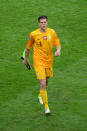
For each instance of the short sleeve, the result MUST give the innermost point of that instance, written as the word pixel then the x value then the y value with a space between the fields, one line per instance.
pixel 30 41
pixel 56 40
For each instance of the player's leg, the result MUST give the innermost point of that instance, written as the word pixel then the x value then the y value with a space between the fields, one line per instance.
pixel 43 95
pixel 41 76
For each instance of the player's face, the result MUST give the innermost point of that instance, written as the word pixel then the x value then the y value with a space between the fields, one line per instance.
pixel 43 24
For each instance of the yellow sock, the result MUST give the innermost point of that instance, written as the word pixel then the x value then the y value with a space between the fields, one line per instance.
pixel 43 94
pixel 39 93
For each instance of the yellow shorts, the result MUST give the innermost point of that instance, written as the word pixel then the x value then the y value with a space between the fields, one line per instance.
pixel 42 72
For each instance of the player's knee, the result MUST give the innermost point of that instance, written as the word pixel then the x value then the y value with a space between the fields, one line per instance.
pixel 43 84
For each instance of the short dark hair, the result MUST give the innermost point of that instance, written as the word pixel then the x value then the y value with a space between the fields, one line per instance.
pixel 42 17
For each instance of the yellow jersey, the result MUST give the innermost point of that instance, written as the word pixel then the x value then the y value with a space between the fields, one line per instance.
pixel 43 46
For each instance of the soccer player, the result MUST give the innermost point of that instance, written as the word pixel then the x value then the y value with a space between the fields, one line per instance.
pixel 43 40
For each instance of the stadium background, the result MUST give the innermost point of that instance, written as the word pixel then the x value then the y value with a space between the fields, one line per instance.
pixel 67 92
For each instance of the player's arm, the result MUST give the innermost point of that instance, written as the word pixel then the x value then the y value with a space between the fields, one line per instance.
pixel 27 51
pixel 58 51
pixel 26 61
pixel 57 45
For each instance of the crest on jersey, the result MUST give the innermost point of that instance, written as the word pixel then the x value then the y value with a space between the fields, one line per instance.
pixel 45 37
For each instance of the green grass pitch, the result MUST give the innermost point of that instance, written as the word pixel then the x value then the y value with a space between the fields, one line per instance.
pixel 19 88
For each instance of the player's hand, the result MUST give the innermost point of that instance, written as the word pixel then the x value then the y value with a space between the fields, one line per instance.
pixel 57 53
pixel 26 62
